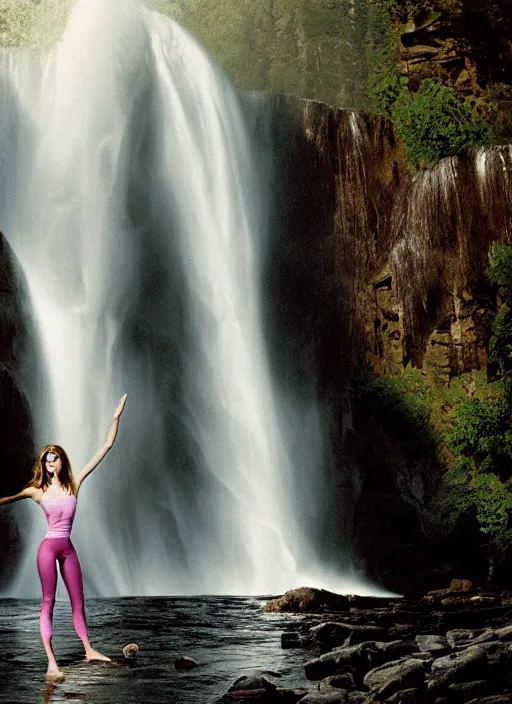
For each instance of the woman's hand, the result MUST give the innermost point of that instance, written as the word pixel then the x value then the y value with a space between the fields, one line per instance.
pixel 120 407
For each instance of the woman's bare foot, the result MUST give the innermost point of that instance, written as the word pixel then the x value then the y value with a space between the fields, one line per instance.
pixel 94 655
pixel 53 674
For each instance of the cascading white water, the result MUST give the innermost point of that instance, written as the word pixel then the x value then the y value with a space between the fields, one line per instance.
pixel 137 210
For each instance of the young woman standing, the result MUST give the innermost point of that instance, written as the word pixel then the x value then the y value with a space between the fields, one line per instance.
pixel 55 489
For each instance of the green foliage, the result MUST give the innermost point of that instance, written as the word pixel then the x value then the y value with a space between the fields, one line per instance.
pixel 500 343
pixel 480 432
pixel 402 404
pixel 310 50
pixel 384 83
pixel 434 123
pixel 493 503
pixel 499 275
pixel 479 481
pixel 27 23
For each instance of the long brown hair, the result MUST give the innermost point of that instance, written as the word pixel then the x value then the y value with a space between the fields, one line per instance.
pixel 41 479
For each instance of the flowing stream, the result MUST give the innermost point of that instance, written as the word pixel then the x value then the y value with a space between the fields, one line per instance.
pixel 135 202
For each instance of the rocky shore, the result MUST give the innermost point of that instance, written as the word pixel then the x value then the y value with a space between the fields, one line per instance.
pixel 451 645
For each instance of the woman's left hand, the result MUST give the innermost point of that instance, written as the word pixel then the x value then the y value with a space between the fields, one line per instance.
pixel 120 407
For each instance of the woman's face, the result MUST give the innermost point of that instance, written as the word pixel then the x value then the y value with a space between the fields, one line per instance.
pixel 53 464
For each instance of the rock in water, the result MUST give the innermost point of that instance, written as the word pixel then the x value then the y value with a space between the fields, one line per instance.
pixel 131 651
pixel 185 663
pixel 308 599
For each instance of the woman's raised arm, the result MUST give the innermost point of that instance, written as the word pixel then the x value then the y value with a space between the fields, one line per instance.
pixel 27 493
pixel 111 436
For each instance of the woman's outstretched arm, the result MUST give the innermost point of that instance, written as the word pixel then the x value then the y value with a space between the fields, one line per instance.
pixel 27 493
pixel 111 436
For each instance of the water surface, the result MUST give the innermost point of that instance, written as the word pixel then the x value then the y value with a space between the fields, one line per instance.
pixel 229 636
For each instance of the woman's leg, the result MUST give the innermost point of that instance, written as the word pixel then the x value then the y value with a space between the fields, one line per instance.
pixel 47 568
pixel 72 576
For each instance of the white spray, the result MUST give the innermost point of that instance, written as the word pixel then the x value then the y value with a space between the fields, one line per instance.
pixel 135 206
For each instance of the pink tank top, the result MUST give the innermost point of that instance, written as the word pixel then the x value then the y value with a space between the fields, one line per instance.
pixel 59 511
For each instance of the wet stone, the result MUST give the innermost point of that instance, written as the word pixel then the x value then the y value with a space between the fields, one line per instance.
pixel 464 664
pixel 465 636
pixel 357 697
pixel 254 682
pixel 355 658
pixel 408 696
pixel 437 645
pixel 337 697
pixel 344 681
pixel 505 633
pixel 185 663
pixel 463 691
pixel 393 676
pixel 131 651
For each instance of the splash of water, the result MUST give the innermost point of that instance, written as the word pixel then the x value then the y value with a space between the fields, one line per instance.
pixel 137 209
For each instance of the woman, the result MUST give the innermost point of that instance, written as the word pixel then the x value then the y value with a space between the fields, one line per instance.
pixel 56 490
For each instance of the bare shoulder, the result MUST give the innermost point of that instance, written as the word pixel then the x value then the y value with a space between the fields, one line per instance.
pixel 32 492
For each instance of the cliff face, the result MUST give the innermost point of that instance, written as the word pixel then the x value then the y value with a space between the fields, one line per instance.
pixel 401 255
pixel 382 268
pixel 16 437
pixel 467 45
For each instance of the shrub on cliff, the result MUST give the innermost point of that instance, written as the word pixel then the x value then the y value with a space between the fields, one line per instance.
pixel 480 435
pixel 434 123
pixel 500 343
pixel 401 405
pixel 479 481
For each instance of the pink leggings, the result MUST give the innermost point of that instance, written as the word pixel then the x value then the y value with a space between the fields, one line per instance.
pixel 50 551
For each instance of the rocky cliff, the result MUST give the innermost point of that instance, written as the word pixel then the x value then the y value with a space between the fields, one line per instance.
pixel 384 269
pixel 465 44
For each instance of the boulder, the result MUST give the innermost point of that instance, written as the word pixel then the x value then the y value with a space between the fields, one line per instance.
pixel 331 633
pixel 465 636
pixel 254 681
pixel 309 600
pixel 357 659
pixel 461 585
pixel 395 649
pixel 343 681
pixel 505 633
pixel 464 691
pixel 463 665
pixel 408 696
pixel 387 679
pixel 357 697
pixel 458 600
pixel 339 696
pixel 431 643
pixel 185 663
pixel 131 651
pixel 334 633
pixel 361 634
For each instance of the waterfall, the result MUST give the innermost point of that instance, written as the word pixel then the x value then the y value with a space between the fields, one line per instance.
pixel 137 207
